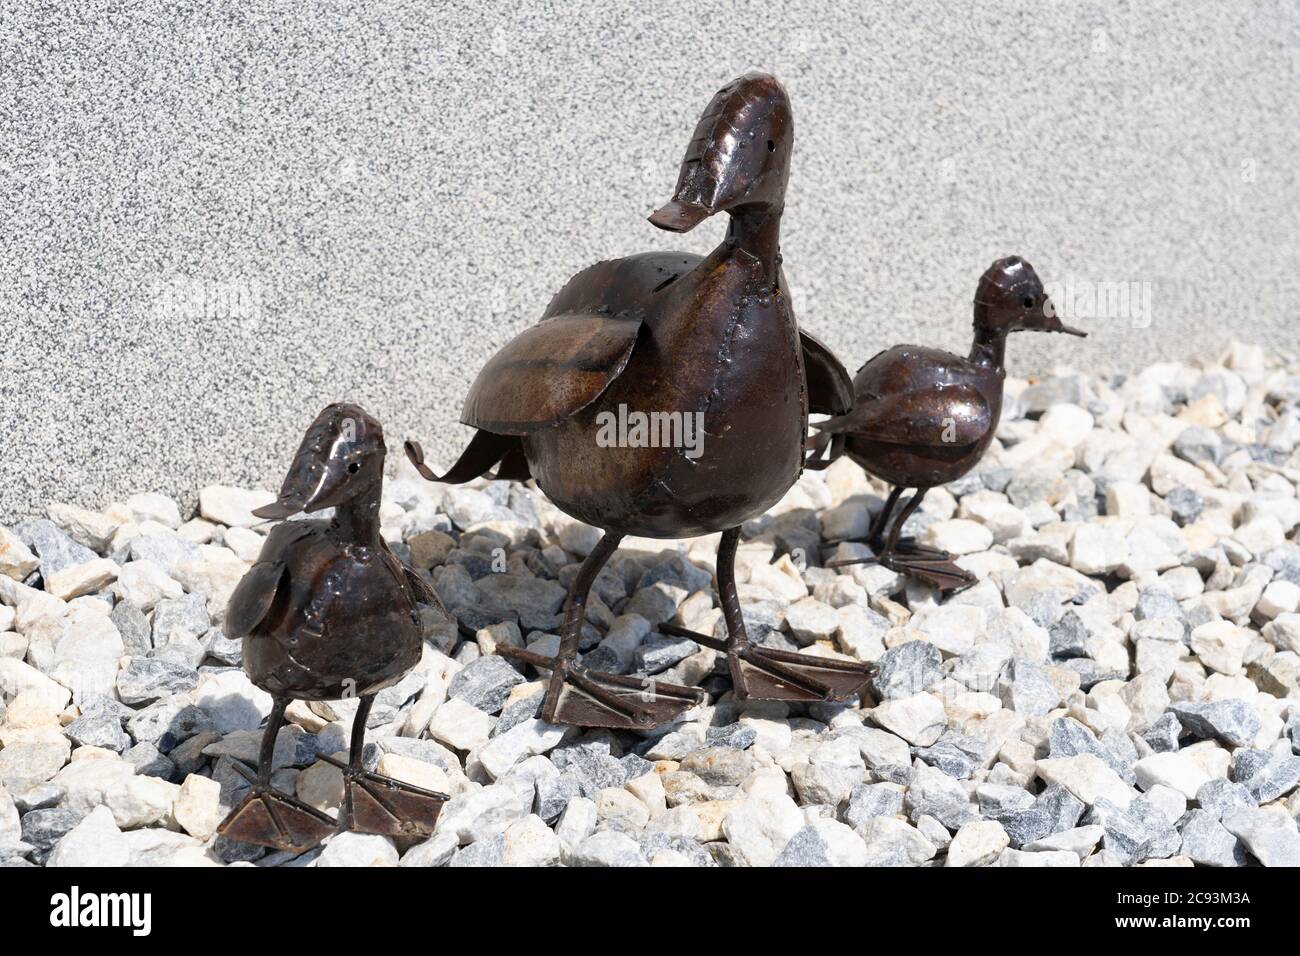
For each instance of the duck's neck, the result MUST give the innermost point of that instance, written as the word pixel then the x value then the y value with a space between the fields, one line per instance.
pixel 990 347
pixel 357 520
pixel 756 230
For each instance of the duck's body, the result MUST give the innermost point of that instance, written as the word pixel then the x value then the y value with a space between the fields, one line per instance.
pixel 328 612
pixel 923 417
pixel 711 342
pixel 323 618
pixel 716 340
pixel 918 390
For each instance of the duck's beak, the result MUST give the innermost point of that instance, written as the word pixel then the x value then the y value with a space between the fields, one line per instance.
pixel 308 481
pixel 1053 323
pixel 680 215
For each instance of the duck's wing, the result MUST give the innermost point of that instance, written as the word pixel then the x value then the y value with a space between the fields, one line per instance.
pixel 550 372
pixel 830 390
pixel 253 597
pixel 257 590
pixel 951 416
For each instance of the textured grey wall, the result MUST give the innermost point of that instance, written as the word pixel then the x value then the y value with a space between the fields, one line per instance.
pixel 216 220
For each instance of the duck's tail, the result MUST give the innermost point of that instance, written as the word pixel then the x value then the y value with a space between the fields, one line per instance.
pixel 484 450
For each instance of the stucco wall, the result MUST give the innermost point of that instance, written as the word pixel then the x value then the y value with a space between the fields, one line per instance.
pixel 216 221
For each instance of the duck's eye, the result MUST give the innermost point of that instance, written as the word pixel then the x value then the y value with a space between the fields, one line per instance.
pixel 354 467
pixel 771 146
pixel 1028 302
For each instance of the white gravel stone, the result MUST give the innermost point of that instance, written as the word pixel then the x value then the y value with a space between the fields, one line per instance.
pixel 1087 777
pixel 232 507
pixel 95 841
pixel 918 719
pixel 1175 770
pixel 358 849
pixel 82 579
pixel 197 807
pixel 978 843
pixel 760 827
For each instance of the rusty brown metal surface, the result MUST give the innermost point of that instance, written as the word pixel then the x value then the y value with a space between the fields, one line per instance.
pixel 718 339
pixel 924 417
pixel 329 612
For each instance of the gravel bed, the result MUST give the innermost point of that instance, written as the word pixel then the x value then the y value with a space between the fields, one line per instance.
pixel 1122 686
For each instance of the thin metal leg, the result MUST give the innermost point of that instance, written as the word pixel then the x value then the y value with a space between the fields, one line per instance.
pixel 727 595
pixel 359 731
pixel 266 759
pixel 913 503
pixel 882 519
pixel 576 603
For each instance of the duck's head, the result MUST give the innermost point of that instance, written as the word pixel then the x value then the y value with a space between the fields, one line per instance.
pixel 1010 298
pixel 340 458
pixel 739 155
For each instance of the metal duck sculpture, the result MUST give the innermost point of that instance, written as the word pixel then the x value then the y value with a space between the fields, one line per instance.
pixel 329 612
pixel 924 417
pixel 671 332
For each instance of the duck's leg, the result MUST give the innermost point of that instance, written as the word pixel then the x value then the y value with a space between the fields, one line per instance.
pixel 267 816
pixel 930 566
pixel 587 698
pixel 373 803
pixel 874 535
pixel 765 673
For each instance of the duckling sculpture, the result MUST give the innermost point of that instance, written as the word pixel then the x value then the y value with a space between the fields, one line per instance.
pixel 329 612
pixel 678 334
pixel 924 417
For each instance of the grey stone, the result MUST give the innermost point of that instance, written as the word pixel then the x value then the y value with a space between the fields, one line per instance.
pixel 1270 837
pixel 1233 721
pixel 167 722
pixel 1197 444
pixel 1126 835
pixel 150 762
pixel 868 800
pixel 134 627
pixel 736 736
pixel 908 669
pixel 957 755
pixel 224 650
pixel 1069 738
pixel 188 615
pixel 44 828
pixel 1156 603
pixel 98 730
pixel 1025 688
pixel 554 793
pixel 1217 797
pixel 1269 777
pixel 1068 637
pixel 995 798
pixel 653 843
pixel 1207 842
pixel 514 714
pixel 535 600
pixel 145 679
pixel 485 683
pixel 591 762
pixel 656 654
pixel 487 852
pixel 1162 736
pixel 1185 505
pixel 56 550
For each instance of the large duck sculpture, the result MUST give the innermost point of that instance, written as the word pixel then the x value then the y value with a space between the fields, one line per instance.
pixel 671 332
